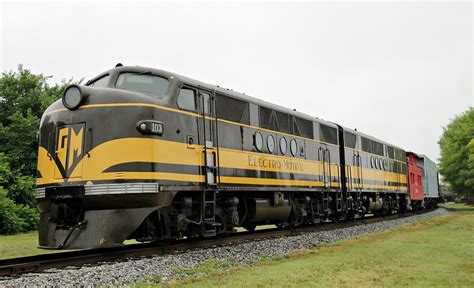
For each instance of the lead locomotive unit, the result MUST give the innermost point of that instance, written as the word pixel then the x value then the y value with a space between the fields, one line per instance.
pixel 141 153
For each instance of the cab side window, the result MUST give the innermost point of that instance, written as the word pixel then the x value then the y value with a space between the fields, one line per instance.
pixel 187 99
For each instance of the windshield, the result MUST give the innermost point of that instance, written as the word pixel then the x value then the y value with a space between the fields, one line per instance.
pixel 101 82
pixel 143 83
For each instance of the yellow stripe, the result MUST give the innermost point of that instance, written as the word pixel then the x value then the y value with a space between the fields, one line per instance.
pixel 391 187
pixel 55 111
pixel 127 150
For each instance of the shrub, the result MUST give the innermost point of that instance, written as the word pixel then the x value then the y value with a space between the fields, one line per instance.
pixel 30 217
pixel 16 218
pixel 10 221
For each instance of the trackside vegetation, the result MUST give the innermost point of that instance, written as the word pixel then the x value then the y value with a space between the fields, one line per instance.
pixel 26 244
pixel 23 244
pixel 23 98
pixel 457 154
pixel 436 252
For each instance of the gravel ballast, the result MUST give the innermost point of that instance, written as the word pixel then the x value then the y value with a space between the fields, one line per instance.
pixel 175 265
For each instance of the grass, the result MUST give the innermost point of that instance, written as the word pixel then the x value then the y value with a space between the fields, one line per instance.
pixel 209 266
pixel 436 252
pixel 26 244
pixel 19 245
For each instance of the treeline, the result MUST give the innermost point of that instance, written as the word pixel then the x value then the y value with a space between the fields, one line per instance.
pixel 457 154
pixel 23 98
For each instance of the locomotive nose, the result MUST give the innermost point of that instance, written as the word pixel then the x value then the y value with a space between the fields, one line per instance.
pixel 87 181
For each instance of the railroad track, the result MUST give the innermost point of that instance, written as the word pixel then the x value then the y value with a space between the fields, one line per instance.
pixel 17 266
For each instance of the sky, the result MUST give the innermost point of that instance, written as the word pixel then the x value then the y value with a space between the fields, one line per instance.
pixel 398 71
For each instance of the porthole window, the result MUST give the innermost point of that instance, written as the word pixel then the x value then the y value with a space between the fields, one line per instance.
pixel 270 143
pixel 372 165
pixel 283 145
pixel 293 147
pixel 385 164
pixel 380 163
pixel 258 139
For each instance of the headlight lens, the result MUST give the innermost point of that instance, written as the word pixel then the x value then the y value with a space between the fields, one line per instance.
pixel 72 97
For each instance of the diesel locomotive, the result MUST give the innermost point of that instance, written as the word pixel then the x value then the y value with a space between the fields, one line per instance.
pixel 145 154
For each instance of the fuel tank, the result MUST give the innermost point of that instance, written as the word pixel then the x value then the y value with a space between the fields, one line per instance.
pixel 262 210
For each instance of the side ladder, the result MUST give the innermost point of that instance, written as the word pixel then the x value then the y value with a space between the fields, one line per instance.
pixel 211 163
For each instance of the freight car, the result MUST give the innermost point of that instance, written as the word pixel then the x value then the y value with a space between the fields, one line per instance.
pixel 423 181
pixel 141 153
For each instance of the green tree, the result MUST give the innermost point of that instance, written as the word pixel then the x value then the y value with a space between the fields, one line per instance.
pixel 457 153
pixel 23 98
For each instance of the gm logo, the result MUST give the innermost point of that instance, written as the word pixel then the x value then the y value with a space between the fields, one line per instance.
pixel 69 148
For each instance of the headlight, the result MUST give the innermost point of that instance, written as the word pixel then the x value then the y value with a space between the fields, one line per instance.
pixel 72 97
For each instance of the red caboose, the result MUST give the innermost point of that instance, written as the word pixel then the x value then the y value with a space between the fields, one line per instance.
pixel 415 183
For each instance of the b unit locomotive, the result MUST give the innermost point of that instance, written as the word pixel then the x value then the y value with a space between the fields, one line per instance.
pixel 141 153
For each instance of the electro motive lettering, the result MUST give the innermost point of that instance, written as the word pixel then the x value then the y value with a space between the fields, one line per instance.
pixel 261 162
